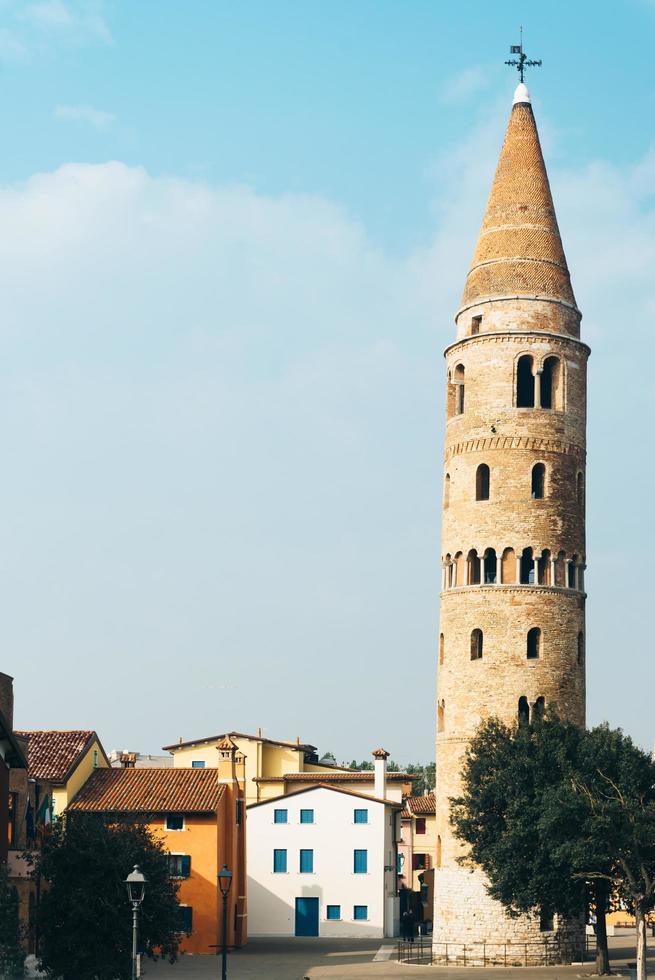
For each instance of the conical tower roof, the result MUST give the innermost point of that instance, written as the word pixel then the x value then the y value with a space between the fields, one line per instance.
pixel 519 251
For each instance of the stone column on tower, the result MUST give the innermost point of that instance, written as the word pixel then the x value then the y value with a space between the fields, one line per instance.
pixel 514 492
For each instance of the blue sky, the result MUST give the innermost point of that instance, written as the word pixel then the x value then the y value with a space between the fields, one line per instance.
pixel 233 240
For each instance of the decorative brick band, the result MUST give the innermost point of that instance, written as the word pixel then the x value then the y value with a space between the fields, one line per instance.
pixel 516 442
pixel 527 336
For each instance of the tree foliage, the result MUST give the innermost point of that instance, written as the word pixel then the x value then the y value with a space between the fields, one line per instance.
pixel 85 919
pixel 551 810
pixel 11 955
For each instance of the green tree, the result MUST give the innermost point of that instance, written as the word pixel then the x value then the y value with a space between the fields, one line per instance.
pixel 84 917
pixel 12 958
pixel 365 765
pixel 550 809
pixel 425 778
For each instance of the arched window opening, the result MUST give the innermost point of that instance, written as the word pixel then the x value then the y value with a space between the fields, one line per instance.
pixel 560 570
pixel 524 711
pixel 459 389
pixel 534 643
pixel 438 850
pixel 543 568
pixel 508 567
pixel 482 478
pixel 579 489
pixel 538 711
pixel 441 716
pixel 527 567
pixel 441 648
pixel 580 649
pixel 524 383
pixel 476 645
pixel 546 920
pixel 450 396
pixel 459 575
pixel 446 492
pixel 475 325
pixel 490 566
pixel 538 481
pixel 551 383
pixel 474 570
pixel 571 573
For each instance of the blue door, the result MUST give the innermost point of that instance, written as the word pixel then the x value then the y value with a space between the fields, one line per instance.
pixel 306 917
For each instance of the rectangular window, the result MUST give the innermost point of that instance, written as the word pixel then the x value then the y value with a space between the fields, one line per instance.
pixel 419 862
pixel 174 821
pixel 334 912
pixel 197 764
pixel 360 913
pixel 280 860
pixel 361 816
pixel 179 865
pixel 13 819
pixel 238 812
pixel 307 816
pixel 420 825
pixel 306 861
pixel 185 919
pixel 360 864
pixel 280 816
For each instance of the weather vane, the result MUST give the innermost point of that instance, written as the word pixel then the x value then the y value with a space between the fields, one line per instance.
pixel 522 62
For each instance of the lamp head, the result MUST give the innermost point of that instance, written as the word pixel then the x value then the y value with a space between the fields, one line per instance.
pixel 136 885
pixel 224 880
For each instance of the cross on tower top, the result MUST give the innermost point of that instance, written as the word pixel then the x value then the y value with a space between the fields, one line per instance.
pixel 522 62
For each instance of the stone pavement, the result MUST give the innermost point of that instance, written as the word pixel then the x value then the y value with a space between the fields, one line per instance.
pixel 323 959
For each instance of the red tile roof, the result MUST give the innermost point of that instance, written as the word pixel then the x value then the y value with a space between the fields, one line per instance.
pixel 422 806
pixel 149 791
pixel 351 776
pixel 299 746
pixel 54 755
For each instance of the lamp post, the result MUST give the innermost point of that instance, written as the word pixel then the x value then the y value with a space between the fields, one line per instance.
pixel 136 889
pixel 224 883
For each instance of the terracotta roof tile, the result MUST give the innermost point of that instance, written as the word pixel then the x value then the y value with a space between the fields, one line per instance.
pixel 421 805
pixel 353 776
pixel 150 791
pixel 53 755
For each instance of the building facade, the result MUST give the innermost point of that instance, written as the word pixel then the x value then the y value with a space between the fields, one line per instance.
pixel 416 855
pixel 321 862
pixel 200 816
pixel 512 623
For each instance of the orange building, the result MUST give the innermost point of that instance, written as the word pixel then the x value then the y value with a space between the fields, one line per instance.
pixel 200 815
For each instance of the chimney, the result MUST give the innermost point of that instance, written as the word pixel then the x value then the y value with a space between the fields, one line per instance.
pixel 128 760
pixel 7 699
pixel 380 785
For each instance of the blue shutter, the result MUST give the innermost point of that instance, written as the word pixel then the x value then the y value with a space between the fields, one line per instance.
pixel 280 816
pixel 307 816
pixel 185 870
pixel 280 860
pixel 360 912
pixel 334 912
pixel 361 816
pixel 306 861
pixel 361 862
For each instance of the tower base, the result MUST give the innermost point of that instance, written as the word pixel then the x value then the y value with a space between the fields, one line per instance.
pixel 470 926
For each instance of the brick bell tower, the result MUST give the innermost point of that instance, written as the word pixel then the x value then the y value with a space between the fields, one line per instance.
pixel 512 624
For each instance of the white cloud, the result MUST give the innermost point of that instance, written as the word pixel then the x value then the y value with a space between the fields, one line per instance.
pixel 462 86
pixel 75 21
pixel 84 113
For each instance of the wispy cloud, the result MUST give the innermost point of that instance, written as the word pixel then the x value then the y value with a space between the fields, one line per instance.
pixel 462 86
pixel 76 20
pixel 97 118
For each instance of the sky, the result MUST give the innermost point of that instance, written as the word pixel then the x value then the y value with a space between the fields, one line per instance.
pixel 233 238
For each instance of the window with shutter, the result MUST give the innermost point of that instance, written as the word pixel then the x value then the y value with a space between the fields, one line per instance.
pixel 360 863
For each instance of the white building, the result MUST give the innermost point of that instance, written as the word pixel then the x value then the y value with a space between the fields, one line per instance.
pixel 322 861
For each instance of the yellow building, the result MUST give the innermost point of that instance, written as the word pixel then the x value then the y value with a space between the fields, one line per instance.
pixel 63 760
pixel 276 767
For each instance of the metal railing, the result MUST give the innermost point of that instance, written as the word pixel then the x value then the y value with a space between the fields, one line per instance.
pixel 545 952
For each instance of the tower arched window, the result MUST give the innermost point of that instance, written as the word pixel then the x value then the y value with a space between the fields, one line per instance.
pixel 534 643
pixel 572 573
pixel 538 710
pixel 459 380
pixel 527 567
pixel 524 711
pixel 580 649
pixel 490 562
pixel 474 568
pixel 476 645
pixel 441 716
pixel 482 480
pixel 438 850
pixel 446 492
pixel 508 567
pixel 551 383
pixel 441 648
pixel 524 382
pixel 538 481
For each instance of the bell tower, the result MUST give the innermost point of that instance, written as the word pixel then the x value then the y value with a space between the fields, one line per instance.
pixel 512 622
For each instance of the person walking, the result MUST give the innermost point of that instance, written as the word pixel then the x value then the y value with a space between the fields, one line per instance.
pixel 408 926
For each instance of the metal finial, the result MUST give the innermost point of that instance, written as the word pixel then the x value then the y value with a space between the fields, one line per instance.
pixel 522 62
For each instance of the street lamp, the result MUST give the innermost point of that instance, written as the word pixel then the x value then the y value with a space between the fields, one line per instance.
pixel 136 889
pixel 224 883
